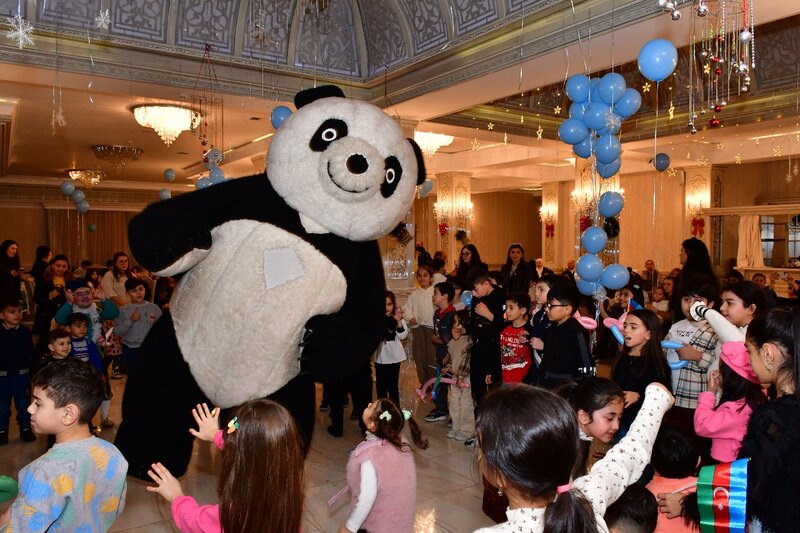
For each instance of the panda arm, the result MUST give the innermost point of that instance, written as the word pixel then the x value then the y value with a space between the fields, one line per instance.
pixel 172 236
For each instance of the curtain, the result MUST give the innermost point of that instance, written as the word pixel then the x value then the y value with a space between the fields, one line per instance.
pixel 69 233
pixel 750 253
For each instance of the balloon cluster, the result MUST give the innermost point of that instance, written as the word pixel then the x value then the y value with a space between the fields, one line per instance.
pixel 77 196
pixel 593 277
pixel 211 161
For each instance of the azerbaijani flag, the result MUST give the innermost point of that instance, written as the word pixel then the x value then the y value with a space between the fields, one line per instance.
pixel 722 497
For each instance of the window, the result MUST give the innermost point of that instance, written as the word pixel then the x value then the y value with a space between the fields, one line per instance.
pixel 767 238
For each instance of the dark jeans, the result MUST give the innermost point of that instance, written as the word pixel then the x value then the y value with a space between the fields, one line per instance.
pixel 17 387
pixel 441 391
pixel 129 354
pixel 387 377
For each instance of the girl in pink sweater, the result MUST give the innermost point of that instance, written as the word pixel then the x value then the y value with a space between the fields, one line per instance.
pixel 725 422
pixel 381 474
pixel 261 484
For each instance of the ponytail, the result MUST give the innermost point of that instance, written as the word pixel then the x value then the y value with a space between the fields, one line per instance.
pixel 416 434
pixel 570 512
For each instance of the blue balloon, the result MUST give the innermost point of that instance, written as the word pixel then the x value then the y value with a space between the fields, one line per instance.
pixel 661 162
pixel 578 87
pixel 216 175
pixel 586 288
pixel 606 149
pixel 78 196
pixel 629 104
pixel 279 115
pixel 577 110
pixel 584 148
pixel 165 194
pixel 613 124
pixel 671 345
pixel 610 204
pixel 594 96
pixel 67 187
pixel 615 276
pixel 426 188
pixel 611 88
pixel 657 59
pixel 572 131
pixel 466 298
pixel 594 239
pixel 677 365
pixel 92 228
pixel 608 170
pixel 202 183
pixel 589 267
pixel 597 115
pixel 169 174
pixel 617 334
pixel 82 206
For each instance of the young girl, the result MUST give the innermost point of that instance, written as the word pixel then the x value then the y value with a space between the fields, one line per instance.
pixel 599 403
pixel 642 362
pixel 419 313
pixel 529 444
pixel 261 485
pixel 741 302
pixel 725 422
pixel 391 352
pixel 462 410
pixel 381 474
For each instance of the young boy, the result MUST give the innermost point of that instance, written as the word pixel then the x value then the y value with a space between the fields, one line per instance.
pixel 442 331
pixel 566 355
pixel 675 458
pixel 699 351
pixel 418 312
pixel 135 320
pixel 486 322
pixel 462 409
pixel 79 484
pixel 635 511
pixel 16 352
pixel 515 349
pixel 82 348
pixel 59 345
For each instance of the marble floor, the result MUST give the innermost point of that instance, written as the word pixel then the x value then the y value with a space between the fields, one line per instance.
pixel 448 485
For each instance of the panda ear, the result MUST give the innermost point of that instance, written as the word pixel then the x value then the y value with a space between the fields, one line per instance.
pixel 420 162
pixel 310 95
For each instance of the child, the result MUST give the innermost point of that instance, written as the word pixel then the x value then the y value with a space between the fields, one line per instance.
pixel 675 458
pixel 419 314
pixel 439 274
pixel 566 355
pixel 539 321
pixel 261 485
pixel 486 322
pixel 381 474
pixel 462 409
pixel 660 304
pixel 529 446
pixel 725 422
pixel 79 484
pixel 515 350
pixel 135 320
pixel 636 511
pixel 641 362
pixel 598 402
pixel 16 348
pixel 81 347
pixel 59 346
pixel 79 300
pixel 391 352
pixel 741 302
pixel 458 288
pixel 442 330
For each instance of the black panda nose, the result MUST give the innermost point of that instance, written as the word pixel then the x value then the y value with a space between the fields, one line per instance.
pixel 357 164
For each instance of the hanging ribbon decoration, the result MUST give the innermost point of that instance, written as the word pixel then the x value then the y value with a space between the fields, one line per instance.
pixel 91 61
pixel 698 226
pixel 550 230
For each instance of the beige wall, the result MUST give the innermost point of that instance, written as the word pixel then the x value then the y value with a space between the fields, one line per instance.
pixel 27 226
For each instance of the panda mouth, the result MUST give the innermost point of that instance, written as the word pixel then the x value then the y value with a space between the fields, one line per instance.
pixel 330 176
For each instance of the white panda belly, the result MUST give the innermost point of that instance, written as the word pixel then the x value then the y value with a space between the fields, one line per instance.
pixel 240 313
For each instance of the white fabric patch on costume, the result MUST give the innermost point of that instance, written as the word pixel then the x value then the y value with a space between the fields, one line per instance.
pixel 281 266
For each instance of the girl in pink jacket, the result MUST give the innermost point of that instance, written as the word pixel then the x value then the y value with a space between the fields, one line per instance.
pixel 260 444
pixel 725 422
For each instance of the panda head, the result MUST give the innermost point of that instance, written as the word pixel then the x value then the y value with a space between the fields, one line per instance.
pixel 344 165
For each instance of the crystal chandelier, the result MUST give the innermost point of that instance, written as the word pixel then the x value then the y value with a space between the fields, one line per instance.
pixel 430 143
pixel 169 121
pixel 117 155
pixel 89 178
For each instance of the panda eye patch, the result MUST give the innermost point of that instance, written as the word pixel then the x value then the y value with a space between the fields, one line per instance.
pixel 391 177
pixel 330 130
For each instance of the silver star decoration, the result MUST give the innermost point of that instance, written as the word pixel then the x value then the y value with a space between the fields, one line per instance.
pixel 738 159
pixel 58 119
pixel 539 133
pixel 777 151
pixel 788 177
pixel 505 139
pixel 613 122
pixel 475 144
pixel 103 20
pixel 20 31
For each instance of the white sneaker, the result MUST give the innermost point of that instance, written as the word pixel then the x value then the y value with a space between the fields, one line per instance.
pixel 452 434
pixel 460 437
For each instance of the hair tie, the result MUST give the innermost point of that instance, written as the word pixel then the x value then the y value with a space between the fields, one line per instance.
pixel 386 415
pixel 564 488
pixel 233 425
pixel 406 414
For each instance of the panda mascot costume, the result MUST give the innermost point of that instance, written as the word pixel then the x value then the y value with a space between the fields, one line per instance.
pixel 282 281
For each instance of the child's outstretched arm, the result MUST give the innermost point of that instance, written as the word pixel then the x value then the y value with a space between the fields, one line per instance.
pixel 166 484
pixel 207 423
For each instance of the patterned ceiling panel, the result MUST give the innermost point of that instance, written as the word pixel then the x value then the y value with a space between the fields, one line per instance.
pixel 531 6
pixel 145 19
pixel 472 14
pixel 267 32
pixel 73 13
pixel 201 22
pixel 427 23
pixel 386 44
pixel 9 7
pixel 327 42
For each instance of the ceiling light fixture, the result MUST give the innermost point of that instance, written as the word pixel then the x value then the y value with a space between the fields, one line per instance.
pixel 117 155
pixel 89 178
pixel 169 121
pixel 430 143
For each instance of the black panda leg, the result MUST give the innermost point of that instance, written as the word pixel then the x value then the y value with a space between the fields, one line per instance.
pixel 298 397
pixel 157 405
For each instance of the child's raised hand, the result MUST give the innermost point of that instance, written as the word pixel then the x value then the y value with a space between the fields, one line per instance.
pixel 69 296
pixel 167 485
pixel 398 314
pixel 714 381
pixel 207 422
pixel 136 315
pixel 99 294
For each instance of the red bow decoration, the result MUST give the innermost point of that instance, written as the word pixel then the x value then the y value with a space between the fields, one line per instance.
pixel 585 222
pixel 549 230
pixel 443 229
pixel 697 226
